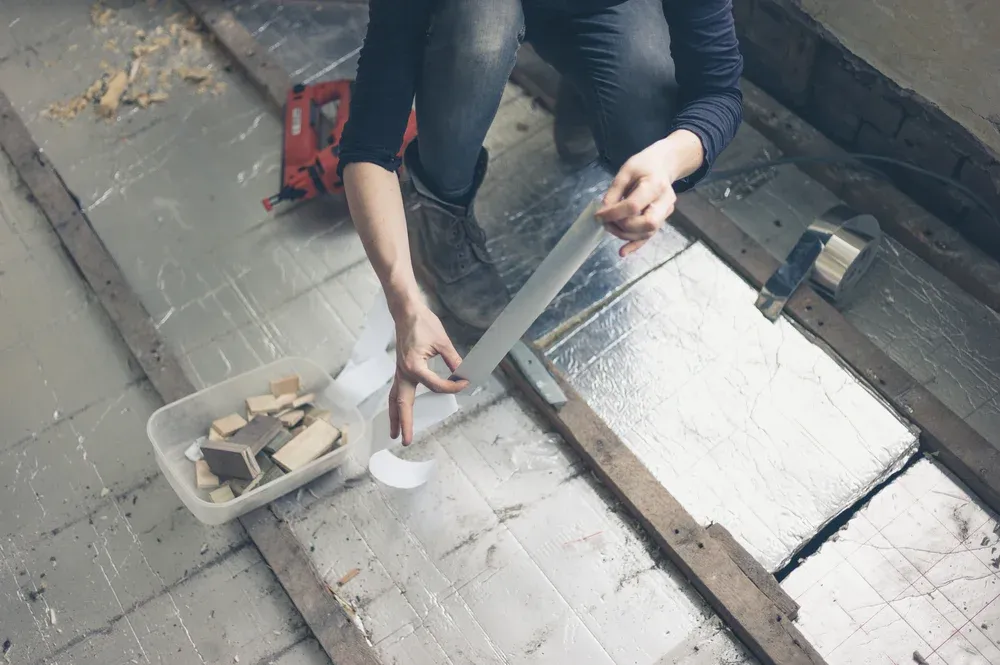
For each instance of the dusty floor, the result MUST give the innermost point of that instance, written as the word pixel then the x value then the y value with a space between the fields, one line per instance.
pixel 99 561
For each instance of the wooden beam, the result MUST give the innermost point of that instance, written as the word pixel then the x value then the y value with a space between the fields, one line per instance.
pixel 282 551
pixel 766 630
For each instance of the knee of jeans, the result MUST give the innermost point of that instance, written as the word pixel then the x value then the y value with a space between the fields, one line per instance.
pixel 481 34
pixel 638 110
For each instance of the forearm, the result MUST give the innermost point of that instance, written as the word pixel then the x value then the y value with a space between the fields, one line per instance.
pixel 685 153
pixel 376 205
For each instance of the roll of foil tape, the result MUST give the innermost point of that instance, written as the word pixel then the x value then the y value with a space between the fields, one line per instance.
pixel 834 253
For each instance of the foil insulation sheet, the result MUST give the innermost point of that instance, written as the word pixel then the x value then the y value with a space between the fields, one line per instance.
pixel 915 571
pixel 510 554
pixel 747 423
pixel 934 330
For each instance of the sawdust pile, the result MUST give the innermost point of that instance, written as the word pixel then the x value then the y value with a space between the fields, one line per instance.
pixel 145 63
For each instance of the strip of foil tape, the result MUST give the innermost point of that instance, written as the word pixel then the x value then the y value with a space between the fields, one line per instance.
pixel 370 369
pixel 833 253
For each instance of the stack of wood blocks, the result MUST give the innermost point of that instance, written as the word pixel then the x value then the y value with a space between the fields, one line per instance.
pixel 281 432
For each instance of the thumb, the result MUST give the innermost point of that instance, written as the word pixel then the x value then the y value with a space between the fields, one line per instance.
pixel 451 357
pixel 616 192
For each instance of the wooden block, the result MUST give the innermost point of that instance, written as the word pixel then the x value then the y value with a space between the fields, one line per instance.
pixel 229 425
pixel 262 404
pixel 285 385
pixel 113 94
pixel 278 442
pixel 300 402
pixel 222 495
pixel 313 413
pixel 215 436
pixel 241 487
pixel 258 432
pixel 269 472
pixel 229 460
pixel 204 479
pixel 285 401
pixel 292 418
pixel 315 441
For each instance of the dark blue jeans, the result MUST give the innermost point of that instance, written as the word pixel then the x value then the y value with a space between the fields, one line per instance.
pixel 617 58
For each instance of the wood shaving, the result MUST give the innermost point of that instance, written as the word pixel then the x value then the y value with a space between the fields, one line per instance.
pixel 147 99
pixel 351 574
pixel 194 74
pixel 146 61
pixel 151 46
pixel 72 108
pixel 113 94
pixel 101 15
pixel 133 70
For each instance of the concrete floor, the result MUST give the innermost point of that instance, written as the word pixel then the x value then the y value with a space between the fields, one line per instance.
pixel 99 561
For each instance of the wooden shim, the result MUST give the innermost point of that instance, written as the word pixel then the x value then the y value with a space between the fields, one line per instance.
pixel 959 447
pixel 315 441
pixel 752 568
pixel 764 628
pixel 286 385
pixel 228 425
pixel 324 615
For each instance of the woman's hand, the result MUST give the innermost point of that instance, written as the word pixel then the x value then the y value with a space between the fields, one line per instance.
pixel 642 196
pixel 419 337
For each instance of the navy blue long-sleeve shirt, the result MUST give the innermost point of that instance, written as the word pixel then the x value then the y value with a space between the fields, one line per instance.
pixel 703 44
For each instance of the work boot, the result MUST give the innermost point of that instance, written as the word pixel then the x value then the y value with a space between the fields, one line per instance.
pixel 449 250
pixel 574 138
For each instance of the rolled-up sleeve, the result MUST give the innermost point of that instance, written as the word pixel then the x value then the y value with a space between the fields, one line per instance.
pixel 708 66
pixel 388 71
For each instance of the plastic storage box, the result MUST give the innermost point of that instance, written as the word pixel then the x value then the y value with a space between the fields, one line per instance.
pixel 174 427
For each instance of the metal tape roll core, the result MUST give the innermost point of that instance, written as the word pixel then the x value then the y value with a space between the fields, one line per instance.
pixel 834 252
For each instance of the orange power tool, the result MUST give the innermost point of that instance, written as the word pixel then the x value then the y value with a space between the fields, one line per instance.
pixel 310 155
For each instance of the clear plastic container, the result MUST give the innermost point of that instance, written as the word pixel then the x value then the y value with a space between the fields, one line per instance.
pixel 174 427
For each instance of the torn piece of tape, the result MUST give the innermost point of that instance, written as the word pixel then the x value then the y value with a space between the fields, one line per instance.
pixel 429 409
pixel 399 473
pixel 365 382
pixel 357 382
pixel 377 332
